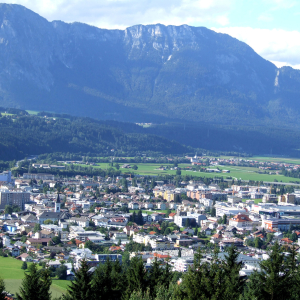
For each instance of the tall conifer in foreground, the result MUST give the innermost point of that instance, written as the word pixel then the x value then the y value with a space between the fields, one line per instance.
pixel 35 285
pixel 109 281
pixel 80 288
pixel 136 278
pixel 2 290
pixel 234 283
pixel 275 279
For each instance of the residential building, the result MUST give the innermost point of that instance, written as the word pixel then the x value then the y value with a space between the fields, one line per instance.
pixel 38 176
pixel 241 221
pixel 18 198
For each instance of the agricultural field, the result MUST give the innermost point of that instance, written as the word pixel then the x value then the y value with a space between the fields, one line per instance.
pixel 32 112
pixel 267 159
pixel 243 173
pixel 247 173
pixel 295 161
pixel 11 272
pixel 236 172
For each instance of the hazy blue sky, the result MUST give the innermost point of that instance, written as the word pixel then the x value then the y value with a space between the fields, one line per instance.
pixel 270 27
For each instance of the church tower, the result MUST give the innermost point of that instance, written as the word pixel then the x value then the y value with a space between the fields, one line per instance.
pixel 57 204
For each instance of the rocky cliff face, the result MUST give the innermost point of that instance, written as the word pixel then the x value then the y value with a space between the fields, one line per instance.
pixel 144 73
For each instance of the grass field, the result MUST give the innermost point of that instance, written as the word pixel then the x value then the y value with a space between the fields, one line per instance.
pixel 11 272
pixel 256 201
pixel 236 172
pixel 6 114
pixel 32 112
pixel 277 159
pixel 287 160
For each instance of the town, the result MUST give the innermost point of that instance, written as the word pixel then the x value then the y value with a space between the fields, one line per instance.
pixel 118 218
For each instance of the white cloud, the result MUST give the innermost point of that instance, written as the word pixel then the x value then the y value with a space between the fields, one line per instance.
pixel 265 18
pixel 280 64
pixel 279 46
pixel 281 4
pixel 121 13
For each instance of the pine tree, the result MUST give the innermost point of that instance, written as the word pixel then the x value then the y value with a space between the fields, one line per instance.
pixel 192 280
pixel 24 266
pixel 134 217
pixel 2 290
pixel 118 279
pixel 140 220
pixel 139 295
pixel 196 231
pixel 101 282
pixel 186 223
pixel 234 284
pixel 155 275
pixel 35 285
pixel 136 277
pixel 166 276
pixel 213 212
pixel 273 281
pixel 224 219
pixel 45 284
pixel 80 288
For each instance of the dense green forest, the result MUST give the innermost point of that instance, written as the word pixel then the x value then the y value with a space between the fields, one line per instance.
pixel 22 135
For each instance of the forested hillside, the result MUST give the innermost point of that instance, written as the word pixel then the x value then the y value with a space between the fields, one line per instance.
pixel 22 135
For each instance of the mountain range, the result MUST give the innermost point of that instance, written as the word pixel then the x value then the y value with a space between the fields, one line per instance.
pixel 153 73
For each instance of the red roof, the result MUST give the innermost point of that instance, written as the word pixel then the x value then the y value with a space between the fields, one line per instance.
pixel 114 248
pixel 217 236
pixel 172 214
pixel 77 242
pixel 161 255
pixel 287 240
pixel 241 218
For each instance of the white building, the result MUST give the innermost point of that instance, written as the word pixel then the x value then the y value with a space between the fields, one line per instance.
pixel 241 221
pixel 182 264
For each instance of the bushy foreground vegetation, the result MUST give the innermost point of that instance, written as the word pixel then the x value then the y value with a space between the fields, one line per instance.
pixel 277 279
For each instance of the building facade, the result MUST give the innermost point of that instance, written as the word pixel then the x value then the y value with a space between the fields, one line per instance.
pixel 18 198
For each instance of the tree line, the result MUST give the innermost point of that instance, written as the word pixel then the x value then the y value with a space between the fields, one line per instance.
pixel 277 278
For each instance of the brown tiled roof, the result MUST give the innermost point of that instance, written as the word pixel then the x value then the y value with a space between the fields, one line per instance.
pixel 241 218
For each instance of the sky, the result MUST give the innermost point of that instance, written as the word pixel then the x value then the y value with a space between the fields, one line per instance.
pixel 270 27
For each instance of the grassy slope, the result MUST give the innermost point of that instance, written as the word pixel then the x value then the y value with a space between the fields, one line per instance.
pixel 11 272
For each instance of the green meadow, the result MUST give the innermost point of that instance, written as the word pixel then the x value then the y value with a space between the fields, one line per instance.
pixel 236 172
pixel 287 160
pixel 277 159
pixel 32 112
pixel 11 272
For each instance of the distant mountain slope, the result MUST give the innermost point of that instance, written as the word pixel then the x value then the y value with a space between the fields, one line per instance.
pixel 144 73
pixel 22 135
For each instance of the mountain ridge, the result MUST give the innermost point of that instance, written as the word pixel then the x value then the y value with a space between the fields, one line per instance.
pixel 143 73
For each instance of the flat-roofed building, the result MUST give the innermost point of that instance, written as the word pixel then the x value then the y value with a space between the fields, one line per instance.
pixel 18 198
